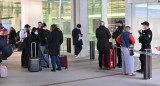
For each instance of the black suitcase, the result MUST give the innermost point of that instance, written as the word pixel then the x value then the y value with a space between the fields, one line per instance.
pixel 34 61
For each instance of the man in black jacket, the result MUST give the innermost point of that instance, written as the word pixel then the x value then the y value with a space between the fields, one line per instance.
pixel 145 39
pixel 77 39
pixel 118 31
pixel 43 36
pixel 103 35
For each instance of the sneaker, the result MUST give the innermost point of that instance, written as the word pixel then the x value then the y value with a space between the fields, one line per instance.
pixel 53 70
pixel 77 57
pixel 58 69
pixel 47 66
pixel 100 68
pixel 140 71
pixel 119 66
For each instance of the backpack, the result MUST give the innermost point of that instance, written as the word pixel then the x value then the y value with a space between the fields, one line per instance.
pixel 6 49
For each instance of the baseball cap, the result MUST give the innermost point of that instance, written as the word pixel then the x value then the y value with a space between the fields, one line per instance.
pixel 119 22
pixel 145 23
pixel 44 25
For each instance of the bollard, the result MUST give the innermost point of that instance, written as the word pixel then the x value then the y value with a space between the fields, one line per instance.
pixel 69 45
pixel 147 65
pixel 92 50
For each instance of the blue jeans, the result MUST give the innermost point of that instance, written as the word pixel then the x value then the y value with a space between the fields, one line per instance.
pixel 55 60
pixel 105 53
pixel 13 46
pixel 45 57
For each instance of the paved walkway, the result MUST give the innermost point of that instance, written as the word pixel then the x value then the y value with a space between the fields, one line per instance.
pixel 81 72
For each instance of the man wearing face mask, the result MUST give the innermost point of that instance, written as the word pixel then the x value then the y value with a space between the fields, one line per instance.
pixel 145 39
pixel 33 38
pixel 27 44
pixel 118 31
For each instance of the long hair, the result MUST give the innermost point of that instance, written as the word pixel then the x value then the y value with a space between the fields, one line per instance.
pixel 53 27
pixel 11 28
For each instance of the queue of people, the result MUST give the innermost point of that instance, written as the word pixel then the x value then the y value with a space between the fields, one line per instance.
pixel 49 42
pixel 126 41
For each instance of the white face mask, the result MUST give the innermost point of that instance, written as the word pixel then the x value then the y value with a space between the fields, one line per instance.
pixel 36 33
pixel 144 27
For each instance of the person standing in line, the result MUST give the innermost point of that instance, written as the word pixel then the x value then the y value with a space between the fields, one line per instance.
pixel 77 40
pixel 24 33
pixel 118 31
pixel 145 39
pixel 103 35
pixel 39 25
pixel 12 36
pixel 127 42
pixel 55 40
pixel 27 44
pixel 43 36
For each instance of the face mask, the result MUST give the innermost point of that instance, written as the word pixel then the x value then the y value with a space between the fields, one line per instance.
pixel 36 33
pixel 144 27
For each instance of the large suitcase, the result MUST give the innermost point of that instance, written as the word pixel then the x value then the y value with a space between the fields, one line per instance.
pixel 63 61
pixel 34 61
pixel 111 59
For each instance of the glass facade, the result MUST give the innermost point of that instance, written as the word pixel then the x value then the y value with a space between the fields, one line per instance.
pixel 115 11
pixel 10 14
pixel 51 16
pixel 146 12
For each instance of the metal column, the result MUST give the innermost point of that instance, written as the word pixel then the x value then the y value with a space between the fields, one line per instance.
pixel 69 45
pixel 147 65
pixel 92 50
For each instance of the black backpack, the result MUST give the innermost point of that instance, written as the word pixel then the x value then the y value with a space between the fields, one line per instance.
pixel 6 49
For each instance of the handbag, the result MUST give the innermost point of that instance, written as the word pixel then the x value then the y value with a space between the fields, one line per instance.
pixel 131 52
pixel 3 71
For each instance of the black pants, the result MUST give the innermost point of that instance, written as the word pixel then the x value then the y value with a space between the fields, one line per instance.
pixel 78 49
pixel 0 60
pixel 24 57
pixel 119 56
pixel 105 54
pixel 141 58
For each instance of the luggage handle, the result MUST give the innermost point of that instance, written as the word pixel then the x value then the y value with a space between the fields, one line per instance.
pixel 32 48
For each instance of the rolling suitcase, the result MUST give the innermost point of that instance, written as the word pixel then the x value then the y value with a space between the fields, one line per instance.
pixel 34 61
pixel 111 59
pixel 63 61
